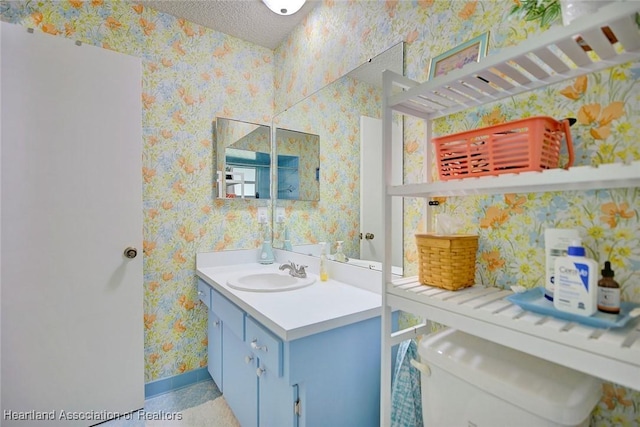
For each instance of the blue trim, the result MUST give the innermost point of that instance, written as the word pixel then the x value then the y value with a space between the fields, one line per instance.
pixel 165 385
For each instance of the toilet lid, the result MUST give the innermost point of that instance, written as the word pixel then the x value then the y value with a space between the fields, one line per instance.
pixel 557 393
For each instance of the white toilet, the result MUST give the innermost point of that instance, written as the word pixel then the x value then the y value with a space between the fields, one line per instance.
pixel 477 383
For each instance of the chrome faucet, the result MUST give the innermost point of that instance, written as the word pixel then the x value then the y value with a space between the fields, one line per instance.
pixel 294 270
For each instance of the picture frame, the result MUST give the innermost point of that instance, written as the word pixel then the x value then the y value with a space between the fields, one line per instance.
pixel 456 58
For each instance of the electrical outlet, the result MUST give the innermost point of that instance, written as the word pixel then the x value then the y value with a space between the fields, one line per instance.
pixel 279 214
pixel 262 215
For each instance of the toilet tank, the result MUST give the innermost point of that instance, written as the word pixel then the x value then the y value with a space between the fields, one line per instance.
pixel 478 383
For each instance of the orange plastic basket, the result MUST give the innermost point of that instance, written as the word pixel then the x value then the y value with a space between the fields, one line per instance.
pixel 531 144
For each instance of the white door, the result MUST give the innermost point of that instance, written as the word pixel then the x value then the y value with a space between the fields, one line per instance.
pixel 371 195
pixel 72 338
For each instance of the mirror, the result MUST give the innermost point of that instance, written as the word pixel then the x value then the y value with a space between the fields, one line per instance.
pixel 344 115
pixel 242 159
pixel 298 160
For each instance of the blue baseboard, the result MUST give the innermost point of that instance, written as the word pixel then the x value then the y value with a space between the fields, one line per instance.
pixel 165 385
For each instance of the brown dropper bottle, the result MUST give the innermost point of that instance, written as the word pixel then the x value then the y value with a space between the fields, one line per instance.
pixel 608 291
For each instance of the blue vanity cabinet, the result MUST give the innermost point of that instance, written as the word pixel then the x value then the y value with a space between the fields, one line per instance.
pixel 338 375
pixel 276 395
pixel 252 369
pixel 277 400
pixel 214 336
pixel 330 378
pixel 214 349
pixel 240 379
pixel 256 394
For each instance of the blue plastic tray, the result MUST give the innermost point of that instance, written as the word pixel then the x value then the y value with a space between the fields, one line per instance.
pixel 534 300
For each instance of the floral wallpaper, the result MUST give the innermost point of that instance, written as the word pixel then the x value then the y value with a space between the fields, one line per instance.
pixel 193 74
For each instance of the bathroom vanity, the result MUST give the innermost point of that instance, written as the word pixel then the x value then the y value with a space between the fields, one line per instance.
pixel 303 357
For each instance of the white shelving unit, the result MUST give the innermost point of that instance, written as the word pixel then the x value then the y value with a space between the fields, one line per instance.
pixel 613 355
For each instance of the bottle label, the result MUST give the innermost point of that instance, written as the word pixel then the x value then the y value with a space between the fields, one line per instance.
pixel 576 275
pixel 609 299
pixel 576 288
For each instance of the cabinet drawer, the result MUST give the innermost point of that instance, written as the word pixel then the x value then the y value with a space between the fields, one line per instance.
pixel 229 313
pixel 204 293
pixel 265 345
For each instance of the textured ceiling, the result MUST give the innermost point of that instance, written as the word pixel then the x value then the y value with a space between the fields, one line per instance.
pixel 248 20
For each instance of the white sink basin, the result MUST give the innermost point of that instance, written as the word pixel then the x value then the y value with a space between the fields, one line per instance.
pixel 268 282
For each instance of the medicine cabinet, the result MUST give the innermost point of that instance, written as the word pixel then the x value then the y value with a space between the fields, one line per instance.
pixel 242 159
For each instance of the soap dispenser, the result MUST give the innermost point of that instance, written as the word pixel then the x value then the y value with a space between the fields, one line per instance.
pixel 266 252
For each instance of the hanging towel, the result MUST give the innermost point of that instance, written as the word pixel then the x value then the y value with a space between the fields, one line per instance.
pixel 406 398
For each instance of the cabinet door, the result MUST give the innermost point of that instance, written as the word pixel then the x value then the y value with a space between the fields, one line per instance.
pixel 240 379
pixel 276 399
pixel 214 349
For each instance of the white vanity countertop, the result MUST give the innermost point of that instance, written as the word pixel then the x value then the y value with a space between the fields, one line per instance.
pixel 300 312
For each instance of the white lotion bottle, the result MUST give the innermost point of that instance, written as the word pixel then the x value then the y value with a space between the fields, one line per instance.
pixel 556 242
pixel 576 282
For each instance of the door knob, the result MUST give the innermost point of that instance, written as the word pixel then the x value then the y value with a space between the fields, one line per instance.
pixel 130 252
pixel 369 236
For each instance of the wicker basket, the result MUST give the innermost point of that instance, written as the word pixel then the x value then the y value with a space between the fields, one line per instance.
pixel 447 261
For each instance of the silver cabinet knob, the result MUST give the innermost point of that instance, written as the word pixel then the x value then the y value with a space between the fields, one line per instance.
pixel 369 236
pixel 260 371
pixel 256 346
pixel 248 359
pixel 130 252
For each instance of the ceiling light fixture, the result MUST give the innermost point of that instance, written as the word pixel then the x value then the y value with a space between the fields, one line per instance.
pixel 284 7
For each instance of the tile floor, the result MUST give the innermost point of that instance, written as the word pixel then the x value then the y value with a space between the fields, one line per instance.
pixel 174 401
